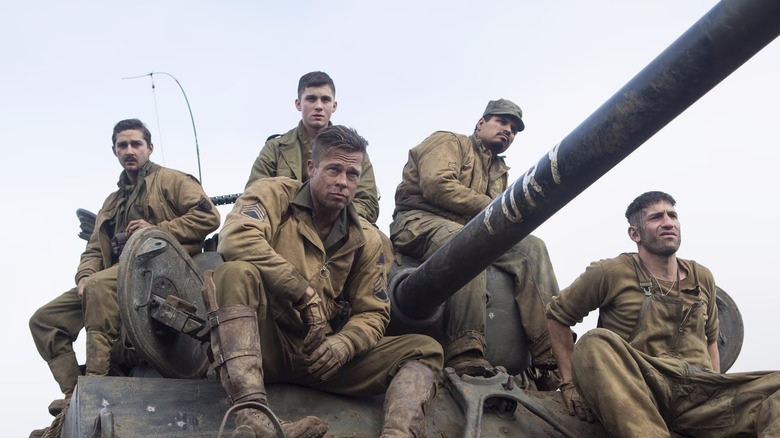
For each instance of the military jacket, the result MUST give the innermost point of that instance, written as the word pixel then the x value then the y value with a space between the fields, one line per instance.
pixel 173 201
pixel 288 154
pixel 265 228
pixel 451 175
pixel 680 324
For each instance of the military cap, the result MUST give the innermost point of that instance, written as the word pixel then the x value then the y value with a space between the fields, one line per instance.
pixel 507 108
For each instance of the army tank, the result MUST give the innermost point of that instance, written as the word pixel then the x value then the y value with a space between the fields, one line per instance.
pixel 159 284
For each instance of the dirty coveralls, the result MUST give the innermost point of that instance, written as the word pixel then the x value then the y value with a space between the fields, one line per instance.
pixel 448 180
pixel 168 199
pixel 273 251
pixel 646 370
pixel 288 155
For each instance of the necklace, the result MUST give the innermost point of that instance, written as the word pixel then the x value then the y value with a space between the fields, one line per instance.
pixel 660 288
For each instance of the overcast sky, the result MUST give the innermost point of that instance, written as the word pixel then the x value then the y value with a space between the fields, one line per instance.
pixel 403 69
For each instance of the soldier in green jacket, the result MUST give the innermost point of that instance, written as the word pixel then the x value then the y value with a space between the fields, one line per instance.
pixel 288 154
pixel 148 195
pixel 449 179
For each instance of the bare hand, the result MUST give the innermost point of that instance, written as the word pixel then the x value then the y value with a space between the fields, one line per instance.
pixel 80 287
pixel 313 317
pixel 574 403
pixel 136 225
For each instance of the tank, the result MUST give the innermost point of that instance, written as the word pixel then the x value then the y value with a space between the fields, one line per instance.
pixel 163 312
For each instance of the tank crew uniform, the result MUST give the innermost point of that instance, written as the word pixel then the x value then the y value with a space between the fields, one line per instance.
pixel 273 252
pixel 448 180
pixel 646 369
pixel 288 155
pixel 167 198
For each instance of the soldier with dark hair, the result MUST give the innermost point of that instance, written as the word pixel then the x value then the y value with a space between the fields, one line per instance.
pixel 288 154
pixel 148 195
pixel 652 366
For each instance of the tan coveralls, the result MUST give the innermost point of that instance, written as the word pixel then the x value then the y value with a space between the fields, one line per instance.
pixel 647 370
pixel 273 251
pixel 173 201
pixel 448 180
pixel 288 155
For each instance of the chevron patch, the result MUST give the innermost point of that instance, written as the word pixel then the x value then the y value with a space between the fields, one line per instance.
pixel 255 211
pixel 380 289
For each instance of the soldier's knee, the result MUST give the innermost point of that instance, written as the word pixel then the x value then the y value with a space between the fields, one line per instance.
pixel 597 343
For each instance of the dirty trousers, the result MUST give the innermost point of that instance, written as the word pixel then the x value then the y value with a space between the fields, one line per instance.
pixel 637 395
pixel 101 306
pixel 54 328
pixel 240 283
pixel 419 234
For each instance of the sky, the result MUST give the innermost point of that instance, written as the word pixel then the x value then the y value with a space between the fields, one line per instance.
pixel 403 70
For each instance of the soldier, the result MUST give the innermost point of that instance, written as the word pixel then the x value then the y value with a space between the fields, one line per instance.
pixel 653 366
pixel 288 154
pixel 309 273
pixel 148 195
pixel 449 179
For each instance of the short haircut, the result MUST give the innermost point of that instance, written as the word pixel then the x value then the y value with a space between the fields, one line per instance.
pixel 634 210
pixel 337 137
pixel 315 79
pixel 136 124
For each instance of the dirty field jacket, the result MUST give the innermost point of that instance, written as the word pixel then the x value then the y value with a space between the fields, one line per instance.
pixel 280 239
pixel 451 175
pixel 288 154
pixel 173 201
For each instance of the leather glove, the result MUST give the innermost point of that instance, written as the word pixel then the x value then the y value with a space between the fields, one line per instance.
pixel 574 403
pixel 313 316
pixel 330 356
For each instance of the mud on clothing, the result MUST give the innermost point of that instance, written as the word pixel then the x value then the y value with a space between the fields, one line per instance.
pixel 273 252
pixel 288 155
pixel 448 179
pixel 646 369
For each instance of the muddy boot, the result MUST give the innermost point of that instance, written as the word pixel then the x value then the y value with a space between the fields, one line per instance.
pixel 55 430
pixel 235 345
pixel 99 347
pixel 410 390
pixel 38 433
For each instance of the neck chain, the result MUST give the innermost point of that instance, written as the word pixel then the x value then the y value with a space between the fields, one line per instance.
pixel 663 294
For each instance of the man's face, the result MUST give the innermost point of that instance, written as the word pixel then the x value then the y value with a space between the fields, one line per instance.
pixel 334 180
pixel 132 150
pixel 659 232
pixel 316 105
pixel 497 133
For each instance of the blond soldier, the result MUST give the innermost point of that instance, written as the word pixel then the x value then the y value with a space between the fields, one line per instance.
pixel 449 179
pixel 288 154
pixel 148 195
pixel 652 366
pixel 303 293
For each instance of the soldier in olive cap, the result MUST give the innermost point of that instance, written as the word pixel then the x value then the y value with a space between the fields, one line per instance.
pixel 448 180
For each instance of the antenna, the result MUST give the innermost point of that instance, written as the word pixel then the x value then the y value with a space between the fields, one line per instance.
pixel 151 76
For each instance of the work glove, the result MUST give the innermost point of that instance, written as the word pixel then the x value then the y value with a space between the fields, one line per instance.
pixel 330 356
pixel 574 403
pixel 313 317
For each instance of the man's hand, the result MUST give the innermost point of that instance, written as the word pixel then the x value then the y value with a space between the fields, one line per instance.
pixel 574 403
pixel 330 356
pixel 136 225
pixel 313 316
pixel 80 287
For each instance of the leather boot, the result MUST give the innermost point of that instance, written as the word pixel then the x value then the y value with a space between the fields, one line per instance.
pixel 98 353
pixel 235 344
pixel 410 390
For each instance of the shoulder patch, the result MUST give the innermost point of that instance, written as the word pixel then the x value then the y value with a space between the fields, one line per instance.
pixel 380 289
pixel 204 204
pixel 273 137
pixel 255 211
pixel 381 259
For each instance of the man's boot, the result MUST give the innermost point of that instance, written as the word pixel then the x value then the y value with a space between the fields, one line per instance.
pixel 235 344
pixel 410 390
pixel 66 371
pixel 98 353
pixel 465 354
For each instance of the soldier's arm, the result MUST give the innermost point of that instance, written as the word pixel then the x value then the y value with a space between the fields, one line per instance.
pixel 265 164
pixel 199 218
pixel 366 199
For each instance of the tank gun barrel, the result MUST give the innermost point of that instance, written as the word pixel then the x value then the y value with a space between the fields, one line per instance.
pixel 715 46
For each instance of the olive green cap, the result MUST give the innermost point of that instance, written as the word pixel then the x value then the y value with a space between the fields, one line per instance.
pixel 507 108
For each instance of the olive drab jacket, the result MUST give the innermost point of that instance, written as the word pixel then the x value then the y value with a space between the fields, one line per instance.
pixel 173 201
pixel 278 236
pixel 288 155
pixel 451 175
